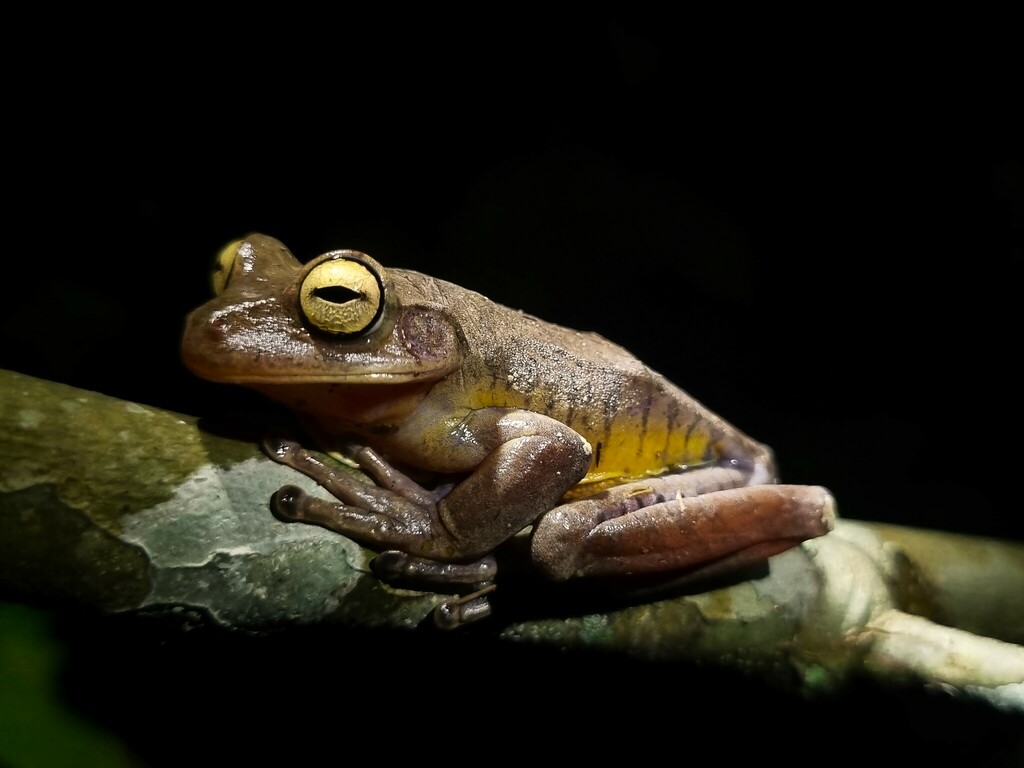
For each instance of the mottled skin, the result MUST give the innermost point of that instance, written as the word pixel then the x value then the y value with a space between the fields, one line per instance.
pixel 526 423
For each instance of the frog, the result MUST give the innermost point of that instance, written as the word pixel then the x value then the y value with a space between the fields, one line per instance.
pixel 475 424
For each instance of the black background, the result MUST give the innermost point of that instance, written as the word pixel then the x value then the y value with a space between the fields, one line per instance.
pixel 818 236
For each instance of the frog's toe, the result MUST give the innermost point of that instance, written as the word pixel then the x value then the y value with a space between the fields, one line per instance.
pixel 394 566
pixel 286 503
pixel 278 447
pixel 390 566
pixel 457 612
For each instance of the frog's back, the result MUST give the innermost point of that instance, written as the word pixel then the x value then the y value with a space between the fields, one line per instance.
pixel 638 423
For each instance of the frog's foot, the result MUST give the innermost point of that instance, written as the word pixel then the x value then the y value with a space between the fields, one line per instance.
pixel 402 570
pixel 340 482
pixel 392 513
pixel 397 524
pixel 395 514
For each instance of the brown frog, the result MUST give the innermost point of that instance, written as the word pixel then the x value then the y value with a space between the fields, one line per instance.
pixel 528 427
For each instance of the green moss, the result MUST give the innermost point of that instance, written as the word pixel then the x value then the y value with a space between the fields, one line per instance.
pixel 52 551
pixel 90 448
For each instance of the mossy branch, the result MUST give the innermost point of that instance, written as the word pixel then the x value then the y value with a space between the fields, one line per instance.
pixel 125 508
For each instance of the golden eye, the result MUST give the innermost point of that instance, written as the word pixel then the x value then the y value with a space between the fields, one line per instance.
pixel 341 296
pixel 223 266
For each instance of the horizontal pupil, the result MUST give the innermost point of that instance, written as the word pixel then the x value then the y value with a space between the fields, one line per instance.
pixel 336 294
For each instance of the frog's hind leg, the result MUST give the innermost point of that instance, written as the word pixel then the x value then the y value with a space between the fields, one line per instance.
pixel 703 522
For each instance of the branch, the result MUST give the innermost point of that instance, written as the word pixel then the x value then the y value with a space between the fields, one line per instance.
pixel 124 508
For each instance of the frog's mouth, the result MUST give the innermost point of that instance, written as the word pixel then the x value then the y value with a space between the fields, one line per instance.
pixel 296 365
pixel 228 346
pixel 270 383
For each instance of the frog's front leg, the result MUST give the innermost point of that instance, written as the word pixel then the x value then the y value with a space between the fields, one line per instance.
pixel 519 463
pixel 700 523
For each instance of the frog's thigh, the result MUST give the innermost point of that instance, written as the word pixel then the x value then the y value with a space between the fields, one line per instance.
pixel 738 526
pixel 533 461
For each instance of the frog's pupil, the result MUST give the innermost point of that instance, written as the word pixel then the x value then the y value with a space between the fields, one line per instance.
pixel 336 294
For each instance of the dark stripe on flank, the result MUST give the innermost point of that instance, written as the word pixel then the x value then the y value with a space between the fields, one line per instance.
pixel 671 417
pixel 646 414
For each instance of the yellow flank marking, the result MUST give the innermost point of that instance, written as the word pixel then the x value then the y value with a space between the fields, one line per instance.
pixel 628 454
pixel 628 450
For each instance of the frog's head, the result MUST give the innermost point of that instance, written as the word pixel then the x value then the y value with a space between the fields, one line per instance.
pixel 337 319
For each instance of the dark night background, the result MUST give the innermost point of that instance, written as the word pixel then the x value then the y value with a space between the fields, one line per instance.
pixel 821 239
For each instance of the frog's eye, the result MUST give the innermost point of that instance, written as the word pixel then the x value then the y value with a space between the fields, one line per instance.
pixel 223 266
pixel 342 296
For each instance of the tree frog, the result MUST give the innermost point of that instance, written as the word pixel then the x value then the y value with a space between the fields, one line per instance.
pixel 477 423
